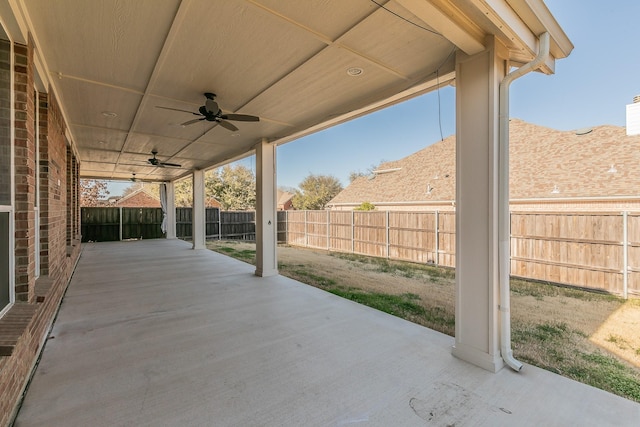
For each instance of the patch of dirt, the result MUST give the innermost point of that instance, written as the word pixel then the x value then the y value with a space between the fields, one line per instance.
pixel 608 323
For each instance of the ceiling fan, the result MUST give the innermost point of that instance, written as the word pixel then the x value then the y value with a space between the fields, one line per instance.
pixel 155 162
pixel 212 113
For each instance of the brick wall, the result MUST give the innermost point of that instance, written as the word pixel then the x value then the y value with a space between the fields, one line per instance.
pixel 24 158
pixel 23 330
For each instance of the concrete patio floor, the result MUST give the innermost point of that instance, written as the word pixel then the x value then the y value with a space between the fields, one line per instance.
pixel 152 333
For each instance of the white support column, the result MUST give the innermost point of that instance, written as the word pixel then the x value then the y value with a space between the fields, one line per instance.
pixel 477 286
pixel 198 228
pixel 266 219
pixel 171 210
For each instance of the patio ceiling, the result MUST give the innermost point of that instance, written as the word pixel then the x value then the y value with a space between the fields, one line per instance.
pixel 285 61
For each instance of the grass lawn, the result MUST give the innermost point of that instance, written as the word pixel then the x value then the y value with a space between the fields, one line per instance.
pixel 574 333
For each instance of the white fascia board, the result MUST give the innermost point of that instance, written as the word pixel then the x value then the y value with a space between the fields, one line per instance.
pixel 520 23
pixel 13 20
pixel 538 17
pixel 451 23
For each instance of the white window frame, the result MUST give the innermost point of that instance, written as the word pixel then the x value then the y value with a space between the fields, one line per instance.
pixel 10 208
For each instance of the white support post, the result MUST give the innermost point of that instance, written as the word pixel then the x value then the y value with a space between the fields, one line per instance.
pixel 625 255
pixel 266 213
pixel 198 225
pixel 477 338
pixel 171 211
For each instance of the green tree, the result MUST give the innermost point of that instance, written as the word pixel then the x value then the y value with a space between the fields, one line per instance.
pixel 233 186
pixel 92 191
pixel 353 175
pixel 183 192
pixel 365 206
pixel 316 191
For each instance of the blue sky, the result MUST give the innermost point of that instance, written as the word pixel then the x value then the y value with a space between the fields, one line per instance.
pixel 591 87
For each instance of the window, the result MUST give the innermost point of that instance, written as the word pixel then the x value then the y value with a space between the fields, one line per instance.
pixel 7 291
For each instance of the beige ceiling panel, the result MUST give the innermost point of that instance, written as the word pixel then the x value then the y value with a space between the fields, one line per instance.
pixel 126 171
pixel 98 156
pixel 410 50
pixel 86 167
pixel 98 138
pixel 202 150
pixel 322 89
pixel 234 49
pixel 144 144
pixel 114 42
pixel 329 18
pixel 248 132
pixel 88 104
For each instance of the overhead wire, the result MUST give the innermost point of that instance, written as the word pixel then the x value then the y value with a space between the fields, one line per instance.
pixel 437 72
pixel 405 19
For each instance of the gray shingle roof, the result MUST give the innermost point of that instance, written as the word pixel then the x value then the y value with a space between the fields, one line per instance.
pixel 599 163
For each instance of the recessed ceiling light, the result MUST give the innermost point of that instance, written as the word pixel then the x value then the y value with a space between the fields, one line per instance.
pixel 101 142
pixel 355 71
pixel 109 114
pixel 235 134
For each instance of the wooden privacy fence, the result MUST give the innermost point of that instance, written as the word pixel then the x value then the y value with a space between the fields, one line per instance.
pixel 591 250
pixel 226 224
pixel 111 224
pixel 101 224
pixel 425 237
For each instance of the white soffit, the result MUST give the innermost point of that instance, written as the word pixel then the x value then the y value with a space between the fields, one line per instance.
pixel 285 61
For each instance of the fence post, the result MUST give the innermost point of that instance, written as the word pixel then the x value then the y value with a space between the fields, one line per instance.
pixel 625 255
pixel 353 233
pixel 328 239
pixel 219 224
pixel 120 231
pixel 387 226
pixel 437 237
pixel 286 227
pixel 306 231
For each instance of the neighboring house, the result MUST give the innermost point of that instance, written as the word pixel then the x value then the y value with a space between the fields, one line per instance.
pixel 140 198
pixel 588 169
pixel 145 197
pixel 211 202
pixel 285 200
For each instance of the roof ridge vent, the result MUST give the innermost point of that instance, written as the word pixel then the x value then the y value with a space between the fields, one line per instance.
pixel 381 171
pixel 636 99
pixel 584 131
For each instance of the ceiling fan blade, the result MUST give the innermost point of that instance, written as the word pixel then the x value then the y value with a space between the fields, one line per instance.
pixel 240 117
pixel 227 125
pixel 212 106
pixel 175 165
pixel 190 122
pixel 177 109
